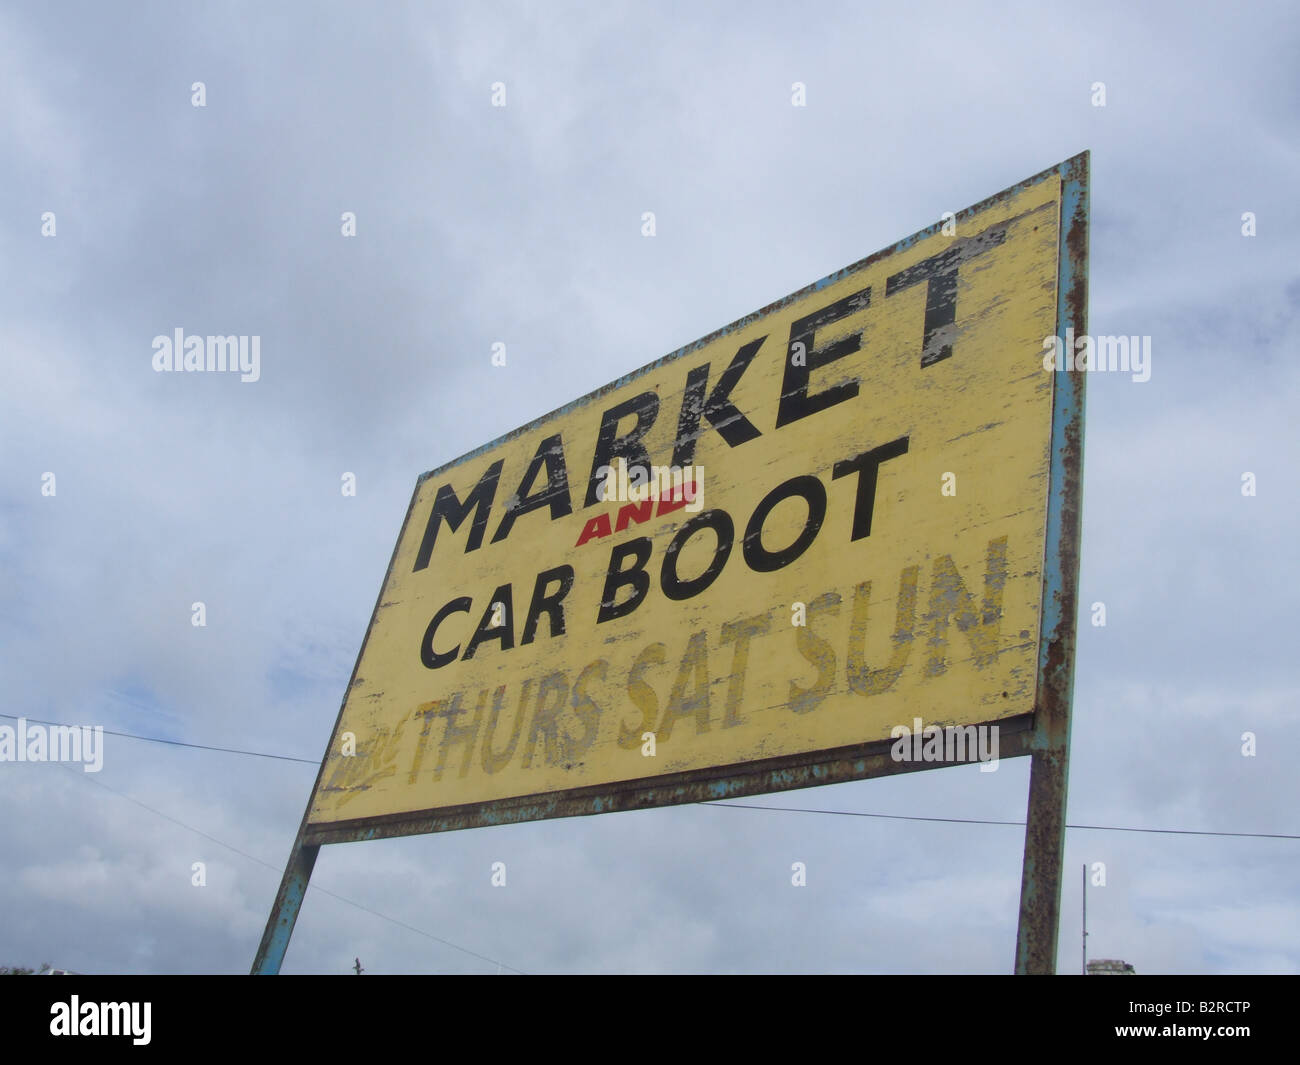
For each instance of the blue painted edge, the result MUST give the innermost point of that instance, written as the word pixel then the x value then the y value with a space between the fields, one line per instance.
pixel 1040 881
pixel 1067 421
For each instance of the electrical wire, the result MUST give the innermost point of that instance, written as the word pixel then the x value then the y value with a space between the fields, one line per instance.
pixel 980 821
pixel 312 886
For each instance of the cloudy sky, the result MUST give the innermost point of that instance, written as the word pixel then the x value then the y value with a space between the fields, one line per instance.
pixel 522 224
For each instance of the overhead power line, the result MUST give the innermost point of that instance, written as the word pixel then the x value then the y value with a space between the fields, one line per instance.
pixel 736 805
pixel 177 743
pixel 982 821
pixel 310 886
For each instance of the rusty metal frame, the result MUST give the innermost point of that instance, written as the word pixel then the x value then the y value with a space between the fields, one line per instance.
pixel 1040 877
pixel 1043 735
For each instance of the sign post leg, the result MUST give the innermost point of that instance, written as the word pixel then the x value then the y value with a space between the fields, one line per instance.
pixel 284 913
pixel 1040 884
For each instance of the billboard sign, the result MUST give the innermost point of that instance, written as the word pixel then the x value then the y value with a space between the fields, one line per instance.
pixel 754 564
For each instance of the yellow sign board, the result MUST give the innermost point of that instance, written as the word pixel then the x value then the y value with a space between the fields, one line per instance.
pixel 817 525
